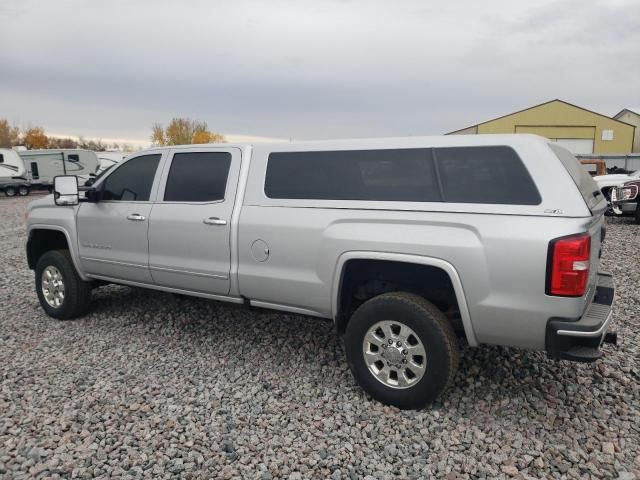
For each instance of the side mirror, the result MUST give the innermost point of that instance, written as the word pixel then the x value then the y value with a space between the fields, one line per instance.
pixel 65 190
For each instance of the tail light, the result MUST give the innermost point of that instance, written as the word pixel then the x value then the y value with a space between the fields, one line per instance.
pixel 568 265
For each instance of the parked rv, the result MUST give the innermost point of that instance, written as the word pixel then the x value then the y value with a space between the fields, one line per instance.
pixel 43 165
pixel 24 170
pixel 12 174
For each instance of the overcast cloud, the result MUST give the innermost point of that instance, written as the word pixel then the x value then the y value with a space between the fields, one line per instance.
pixel 321 69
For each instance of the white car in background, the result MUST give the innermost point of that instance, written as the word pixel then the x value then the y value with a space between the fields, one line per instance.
pixel 109 159
pixel 608 182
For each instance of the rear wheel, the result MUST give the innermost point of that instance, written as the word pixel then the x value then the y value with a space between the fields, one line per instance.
pixel 401 349
pixel 10 191
pixel 61 291
pixel 23 191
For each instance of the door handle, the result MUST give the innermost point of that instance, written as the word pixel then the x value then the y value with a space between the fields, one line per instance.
pixel 136 217
pixel 214 221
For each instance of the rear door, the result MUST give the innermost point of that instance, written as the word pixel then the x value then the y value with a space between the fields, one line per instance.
pixel 189 229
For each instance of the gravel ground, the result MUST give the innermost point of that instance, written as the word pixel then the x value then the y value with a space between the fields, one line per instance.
pixel 151 385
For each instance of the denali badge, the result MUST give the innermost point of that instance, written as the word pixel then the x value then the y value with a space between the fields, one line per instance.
pixel 93 245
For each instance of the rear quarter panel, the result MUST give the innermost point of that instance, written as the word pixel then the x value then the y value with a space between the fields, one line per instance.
pixel 501 261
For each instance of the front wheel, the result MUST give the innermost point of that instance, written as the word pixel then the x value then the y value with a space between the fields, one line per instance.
pixel 61 291
pixel 401 349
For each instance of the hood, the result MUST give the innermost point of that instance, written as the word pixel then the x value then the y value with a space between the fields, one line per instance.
pixel 46 201
pixel 614 177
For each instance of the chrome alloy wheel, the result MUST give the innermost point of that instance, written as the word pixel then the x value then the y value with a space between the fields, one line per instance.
pixel 394 354
pixel 53 286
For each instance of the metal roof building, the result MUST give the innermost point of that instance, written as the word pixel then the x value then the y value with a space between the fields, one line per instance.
pixel 578 129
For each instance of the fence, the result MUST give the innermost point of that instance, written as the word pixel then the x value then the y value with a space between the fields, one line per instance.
pixel 629 162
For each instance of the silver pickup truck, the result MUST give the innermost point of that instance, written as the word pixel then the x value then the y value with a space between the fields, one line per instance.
pixel 409 245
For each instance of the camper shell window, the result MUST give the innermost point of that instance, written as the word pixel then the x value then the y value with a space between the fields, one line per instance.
pixel 393 175
pixel 483 174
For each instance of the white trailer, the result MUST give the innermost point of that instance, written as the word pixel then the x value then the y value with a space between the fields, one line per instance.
pixel 11 165
pixel 43 165
pixel 20 171
pixel 13 179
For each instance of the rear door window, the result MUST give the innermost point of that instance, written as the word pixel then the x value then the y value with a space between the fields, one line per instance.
pixel 198 177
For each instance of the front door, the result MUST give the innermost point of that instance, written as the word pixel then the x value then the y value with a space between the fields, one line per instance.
pixel 112 233
pixel 190 224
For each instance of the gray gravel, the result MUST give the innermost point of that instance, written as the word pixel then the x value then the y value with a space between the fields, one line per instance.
pixel 151 385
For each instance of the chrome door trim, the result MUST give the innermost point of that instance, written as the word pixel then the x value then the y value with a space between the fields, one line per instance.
pixel 188 272
pixel 113 262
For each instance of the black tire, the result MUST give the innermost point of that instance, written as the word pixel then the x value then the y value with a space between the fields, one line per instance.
pixel 77 293
pixel 434 332
pixel 10 191
pixel 23 191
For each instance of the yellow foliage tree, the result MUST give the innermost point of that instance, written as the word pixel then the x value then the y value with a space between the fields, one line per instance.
pixel 35 138
pixel 9 136
pixel 183 131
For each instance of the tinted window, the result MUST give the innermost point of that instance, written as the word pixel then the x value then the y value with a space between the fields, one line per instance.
pixel 132 180
pixel 1 158
pixel 198 177
pixel 485 175
pixel 73 157
pixel 34 170
pixel 394 175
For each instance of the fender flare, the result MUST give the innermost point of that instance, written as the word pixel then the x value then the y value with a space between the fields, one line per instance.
pixel 72 246
pixel 448 268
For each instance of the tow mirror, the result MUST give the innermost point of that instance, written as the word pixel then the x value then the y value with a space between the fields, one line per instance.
pixel 65 190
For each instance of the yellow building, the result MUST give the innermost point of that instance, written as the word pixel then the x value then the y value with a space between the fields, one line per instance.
pixel 578 129
pixel 631 116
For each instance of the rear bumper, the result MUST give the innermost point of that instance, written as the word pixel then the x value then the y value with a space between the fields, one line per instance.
pixel 580 339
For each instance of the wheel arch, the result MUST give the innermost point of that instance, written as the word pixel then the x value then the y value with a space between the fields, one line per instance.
pixel 448 268
pixel 37 234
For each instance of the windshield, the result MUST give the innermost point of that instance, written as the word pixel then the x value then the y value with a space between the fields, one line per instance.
pixel 101 174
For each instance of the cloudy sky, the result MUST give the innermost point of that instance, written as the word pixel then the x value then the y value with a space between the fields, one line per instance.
pixel 321 69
